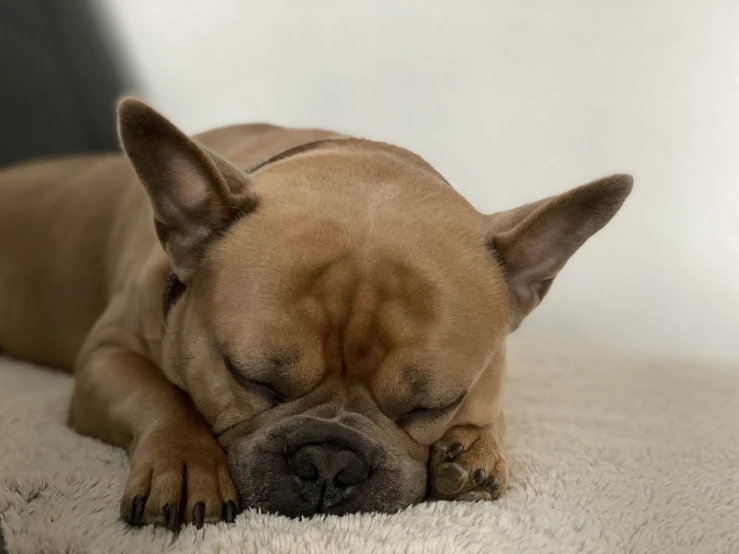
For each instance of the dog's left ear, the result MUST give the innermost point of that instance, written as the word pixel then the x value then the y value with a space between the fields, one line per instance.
pixel 194 192
pixel 533 242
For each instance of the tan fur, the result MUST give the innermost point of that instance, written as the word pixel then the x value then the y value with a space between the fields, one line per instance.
pixel 354 260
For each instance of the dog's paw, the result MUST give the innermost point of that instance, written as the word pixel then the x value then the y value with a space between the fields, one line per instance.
pixel 468 463
pixel 178 476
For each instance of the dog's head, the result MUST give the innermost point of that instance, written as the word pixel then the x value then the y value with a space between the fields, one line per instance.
pixel 344 307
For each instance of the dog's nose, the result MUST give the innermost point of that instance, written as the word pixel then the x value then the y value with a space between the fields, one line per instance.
pixel 328 475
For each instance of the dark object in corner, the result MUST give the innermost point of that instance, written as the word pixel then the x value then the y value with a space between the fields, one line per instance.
pixel 59 80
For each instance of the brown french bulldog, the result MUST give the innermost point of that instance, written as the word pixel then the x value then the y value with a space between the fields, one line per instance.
pixel 290 320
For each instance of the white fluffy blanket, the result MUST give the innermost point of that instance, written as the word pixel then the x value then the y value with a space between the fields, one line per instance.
pixel 610 452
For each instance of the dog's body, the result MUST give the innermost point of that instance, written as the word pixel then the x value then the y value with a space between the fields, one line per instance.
pixel 324 308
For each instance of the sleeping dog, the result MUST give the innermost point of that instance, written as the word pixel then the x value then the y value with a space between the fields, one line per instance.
pixel 291 320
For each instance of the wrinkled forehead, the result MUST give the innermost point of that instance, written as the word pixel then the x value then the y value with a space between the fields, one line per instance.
pixel 320 303
pixel 317 283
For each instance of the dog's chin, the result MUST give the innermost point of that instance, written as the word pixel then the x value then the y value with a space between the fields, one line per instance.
pixel 301 468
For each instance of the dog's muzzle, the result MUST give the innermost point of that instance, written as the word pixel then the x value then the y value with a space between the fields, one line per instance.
pixel 306 466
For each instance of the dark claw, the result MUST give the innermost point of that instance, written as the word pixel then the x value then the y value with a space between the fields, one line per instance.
pixel 137 509
pixel 493 485
pixel 478 478
pixel 170 516
pixel 230 510
pixel 455 450
pixel 198 514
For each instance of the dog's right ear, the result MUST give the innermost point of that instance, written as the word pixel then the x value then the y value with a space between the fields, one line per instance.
pixel 194 192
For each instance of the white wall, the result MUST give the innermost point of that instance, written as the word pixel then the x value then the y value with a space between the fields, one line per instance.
pixel 511 101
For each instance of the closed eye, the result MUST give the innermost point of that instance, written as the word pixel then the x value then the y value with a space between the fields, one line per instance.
pixel 421 415
pixel 424 414
pixel 265 390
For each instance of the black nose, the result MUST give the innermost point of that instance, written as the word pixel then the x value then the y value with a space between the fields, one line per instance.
pixel 327 475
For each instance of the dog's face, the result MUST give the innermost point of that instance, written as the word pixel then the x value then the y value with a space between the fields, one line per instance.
pixel 344 307
pixel 335 347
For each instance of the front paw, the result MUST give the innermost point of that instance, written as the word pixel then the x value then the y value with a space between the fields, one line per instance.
pixel 468 463
pixel 178 476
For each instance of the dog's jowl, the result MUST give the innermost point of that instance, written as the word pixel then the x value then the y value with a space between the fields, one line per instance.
pixel 290 320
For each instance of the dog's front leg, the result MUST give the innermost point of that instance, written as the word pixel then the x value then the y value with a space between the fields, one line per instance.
pixel 178 471
pixel 470 463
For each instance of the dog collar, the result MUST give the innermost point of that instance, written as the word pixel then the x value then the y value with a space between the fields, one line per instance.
pixel 291 151
pixel 172 291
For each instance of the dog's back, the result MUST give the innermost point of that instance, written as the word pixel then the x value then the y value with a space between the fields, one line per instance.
pixel 55 225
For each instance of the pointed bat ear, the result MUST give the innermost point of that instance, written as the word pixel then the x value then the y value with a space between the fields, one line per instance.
pixel 193 191
pixel 535 241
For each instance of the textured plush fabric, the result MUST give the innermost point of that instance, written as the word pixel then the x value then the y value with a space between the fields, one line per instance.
pixel 610 452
